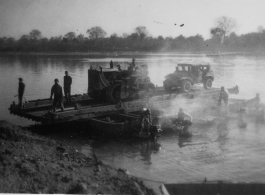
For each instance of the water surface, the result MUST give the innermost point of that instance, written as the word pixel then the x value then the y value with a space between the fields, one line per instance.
pixel 219 154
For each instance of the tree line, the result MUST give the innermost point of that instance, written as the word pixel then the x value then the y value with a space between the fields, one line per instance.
pixel 222 39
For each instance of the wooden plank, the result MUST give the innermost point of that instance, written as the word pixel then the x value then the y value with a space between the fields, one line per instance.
pixel 159 102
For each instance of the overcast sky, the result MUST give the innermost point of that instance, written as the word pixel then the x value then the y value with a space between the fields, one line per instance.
pixel 57 17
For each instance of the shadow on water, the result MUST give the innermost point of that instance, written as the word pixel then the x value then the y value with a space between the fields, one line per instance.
pixel 79 136
pixel 127 146
pixel 182 141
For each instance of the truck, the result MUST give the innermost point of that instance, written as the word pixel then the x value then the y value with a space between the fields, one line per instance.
pixel 187 75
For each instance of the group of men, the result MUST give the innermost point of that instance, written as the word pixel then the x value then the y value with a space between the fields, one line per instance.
pixel 181 116
pixel 56 91
pixel 222 97
pixel 131 67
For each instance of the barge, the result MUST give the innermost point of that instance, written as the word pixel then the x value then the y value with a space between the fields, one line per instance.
pixel 84 107
pixel 115 99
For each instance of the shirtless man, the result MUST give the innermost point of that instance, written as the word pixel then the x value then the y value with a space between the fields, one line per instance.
pixel 183 115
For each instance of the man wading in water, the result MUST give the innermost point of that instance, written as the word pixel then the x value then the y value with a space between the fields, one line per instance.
pixel 58 95
pixel 182 115
pixel 145 122
pixel 223 96
pixel 183 122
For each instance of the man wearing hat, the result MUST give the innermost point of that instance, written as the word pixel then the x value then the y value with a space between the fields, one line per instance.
pixel 67 82
pixel 111 64
pixel 58 95
pixel 21 89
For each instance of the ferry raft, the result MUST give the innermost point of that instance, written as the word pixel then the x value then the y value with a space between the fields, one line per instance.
pixel 84 107
pixel 116 98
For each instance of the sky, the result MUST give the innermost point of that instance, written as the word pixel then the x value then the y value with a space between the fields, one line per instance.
pixel 160 17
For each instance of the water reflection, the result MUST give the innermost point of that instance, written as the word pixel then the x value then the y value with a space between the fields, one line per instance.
pixel 147 148
pixel 110 149
pixel 182 141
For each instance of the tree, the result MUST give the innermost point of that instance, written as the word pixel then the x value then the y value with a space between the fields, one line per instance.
pixel 217 31
pixel 80 37
pixel 125 35
pixel 70 36
pixel 24 38
pixel 96 33
pixel 114 36
pixel 225 26
pixel 133 36
pixel 260 29
pixel 217 35
pixel 35 35
pixel 141 31
pixel 160 38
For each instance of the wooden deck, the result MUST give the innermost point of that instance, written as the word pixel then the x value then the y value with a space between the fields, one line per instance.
pixel 83 107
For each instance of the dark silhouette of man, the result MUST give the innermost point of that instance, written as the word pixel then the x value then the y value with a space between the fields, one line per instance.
pixel 57 91
pixel 111 64
pixel 223 96
pixel 21 89
pixel 145 121
pixel 131 67
pixel 67 87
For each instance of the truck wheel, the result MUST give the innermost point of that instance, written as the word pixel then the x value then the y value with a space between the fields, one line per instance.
pixel 186 86
pixel 208 83
pixel 167 87
pixel 115 93
pixel 111 93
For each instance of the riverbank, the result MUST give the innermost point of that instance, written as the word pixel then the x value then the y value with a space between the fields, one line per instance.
pixel 30 163
pixel 131 54
pixel 135 54
pixel 121 54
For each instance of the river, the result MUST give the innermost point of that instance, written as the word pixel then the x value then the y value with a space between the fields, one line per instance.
pixel 231 154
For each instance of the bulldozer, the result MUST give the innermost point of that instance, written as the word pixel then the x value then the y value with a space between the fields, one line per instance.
pixel 115 85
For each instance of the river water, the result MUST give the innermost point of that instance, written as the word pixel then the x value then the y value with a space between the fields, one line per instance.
pixel 231 154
